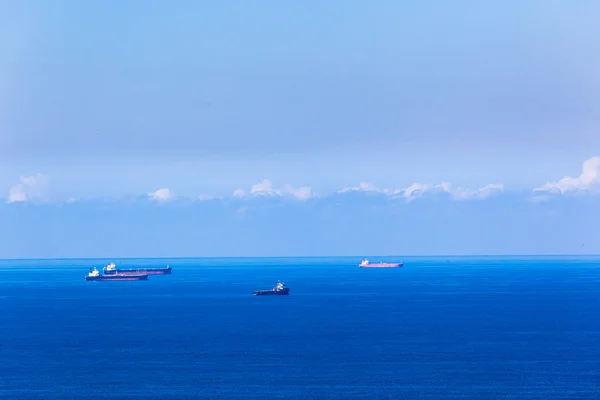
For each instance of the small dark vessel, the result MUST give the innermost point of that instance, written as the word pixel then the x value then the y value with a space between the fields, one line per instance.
pixel 94 275
pixel 111 269
pixel 280 290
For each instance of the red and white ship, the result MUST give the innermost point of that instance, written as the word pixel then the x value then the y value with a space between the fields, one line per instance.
pixel 366 264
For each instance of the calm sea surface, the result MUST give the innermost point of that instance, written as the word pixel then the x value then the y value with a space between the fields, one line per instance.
pixel 439 328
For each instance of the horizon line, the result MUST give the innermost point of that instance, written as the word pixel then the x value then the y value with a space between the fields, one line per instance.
pixel 290 257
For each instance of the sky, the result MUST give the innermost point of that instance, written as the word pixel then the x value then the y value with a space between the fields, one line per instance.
pixel 232 128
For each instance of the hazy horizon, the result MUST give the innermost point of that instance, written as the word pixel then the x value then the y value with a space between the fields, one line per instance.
pixel 191 128
pixel 387 257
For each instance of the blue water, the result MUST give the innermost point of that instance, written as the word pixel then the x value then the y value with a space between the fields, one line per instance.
pixel 443 328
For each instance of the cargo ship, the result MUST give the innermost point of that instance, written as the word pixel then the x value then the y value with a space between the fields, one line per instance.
pixel 111 269
pixel 94 275
pixel 366 264
pixel 280 290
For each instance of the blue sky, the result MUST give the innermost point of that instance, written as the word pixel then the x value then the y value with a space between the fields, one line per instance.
pixel 475 105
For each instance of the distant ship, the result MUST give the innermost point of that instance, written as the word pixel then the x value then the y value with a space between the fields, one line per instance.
pixel 280 290
pixel 366 264
pixel 111 269
pixel 94 275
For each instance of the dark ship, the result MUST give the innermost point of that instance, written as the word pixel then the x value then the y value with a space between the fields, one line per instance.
pixel 94 275
pixel 111 269
pixel 280 290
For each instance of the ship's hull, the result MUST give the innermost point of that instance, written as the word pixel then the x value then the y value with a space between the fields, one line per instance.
pixel 138 277
pixel 282 292
pixel 146 271
pixel 381 265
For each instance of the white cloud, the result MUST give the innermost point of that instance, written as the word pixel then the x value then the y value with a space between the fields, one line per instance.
pixel 490 190
pixel 17 194
pixel 266 188
pixel 363 187
pixel 417 190
pixel 301 193
pixel 589 178
pixel 485 192
pixel 413 191
pixel 205 197
pixel 29 188
pixel 162 195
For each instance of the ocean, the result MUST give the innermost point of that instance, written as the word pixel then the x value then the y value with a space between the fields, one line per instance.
pixel 438 328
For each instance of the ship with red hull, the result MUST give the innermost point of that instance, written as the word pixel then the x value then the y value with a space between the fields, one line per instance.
pixel 94 275
pixel 366 264
pixel 111 269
